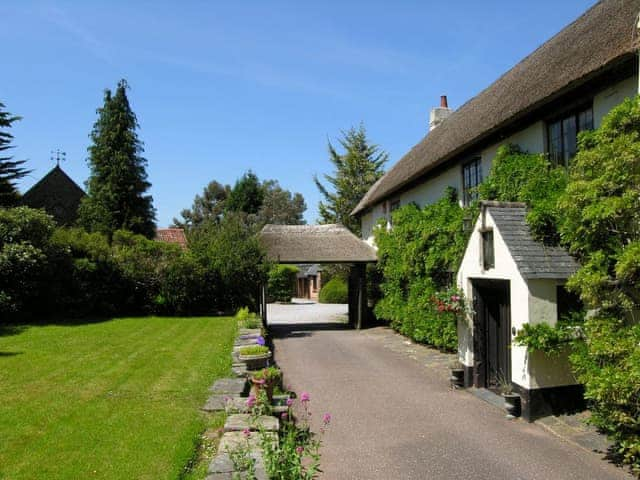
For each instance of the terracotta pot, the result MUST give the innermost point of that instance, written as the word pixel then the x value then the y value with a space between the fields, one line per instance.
pixel 267 387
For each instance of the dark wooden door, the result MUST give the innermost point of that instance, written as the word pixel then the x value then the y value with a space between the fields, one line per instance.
pixel 492 335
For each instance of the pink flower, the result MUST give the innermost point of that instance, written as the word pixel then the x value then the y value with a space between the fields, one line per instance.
pixel 304 397
pixel 299 450
pixel 455 298
pixel 246 432
pixel 289 402
pixel 251 401
pixel 326 418
pixel 259 381
pixel 284 415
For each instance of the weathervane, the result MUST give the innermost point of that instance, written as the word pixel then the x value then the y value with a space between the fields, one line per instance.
pixel 58 156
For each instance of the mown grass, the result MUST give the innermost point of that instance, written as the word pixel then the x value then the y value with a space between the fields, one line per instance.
pixel 117 399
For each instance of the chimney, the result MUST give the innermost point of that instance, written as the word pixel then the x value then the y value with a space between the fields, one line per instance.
pixel 439 114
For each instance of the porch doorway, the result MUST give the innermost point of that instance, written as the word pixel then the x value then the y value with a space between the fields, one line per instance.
pixel 492 333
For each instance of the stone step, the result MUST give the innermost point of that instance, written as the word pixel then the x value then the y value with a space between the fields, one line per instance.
pixel 229 386
pixel 243 342
pixel 216 403
pixel 250 331
pixel 221 467
pixel 234 440
pixel 239 369
pixel 241 421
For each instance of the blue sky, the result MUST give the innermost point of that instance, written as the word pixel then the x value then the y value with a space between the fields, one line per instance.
pixel 223 87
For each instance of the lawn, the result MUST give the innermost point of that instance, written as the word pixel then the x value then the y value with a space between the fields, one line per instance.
pixel 106 400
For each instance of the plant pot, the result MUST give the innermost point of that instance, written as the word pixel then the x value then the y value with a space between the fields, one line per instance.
pixel 256 362
pixel 512 404
pixel 267 387
pixel 457 377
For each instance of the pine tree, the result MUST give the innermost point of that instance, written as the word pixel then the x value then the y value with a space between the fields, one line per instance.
pixel 10 170
pixel 117 183
pixel 247 195
pixel 356 170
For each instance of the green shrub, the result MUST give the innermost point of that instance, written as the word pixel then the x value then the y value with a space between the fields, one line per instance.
pixel 334 291
pixel 281 282
pixel 518 176
pixel 599 225
pixel 25 272
pixel 247 319
pixel 417 258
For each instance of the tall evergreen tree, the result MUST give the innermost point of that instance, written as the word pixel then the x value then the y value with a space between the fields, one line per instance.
pixel 209 206
pixel 246 195
pixel 117 185
pixel 10 170
pixel 356 170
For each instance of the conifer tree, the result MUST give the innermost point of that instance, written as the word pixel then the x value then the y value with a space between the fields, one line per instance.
pixel 117 185
pixel 356 170
pixel 10 170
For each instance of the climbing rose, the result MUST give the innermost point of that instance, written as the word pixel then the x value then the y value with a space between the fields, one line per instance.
pixel 304 397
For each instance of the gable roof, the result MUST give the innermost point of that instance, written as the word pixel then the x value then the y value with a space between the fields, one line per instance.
pixel 171 235
pixel 314 244
pixel 57 194
pixel 601 38
pixel 533 259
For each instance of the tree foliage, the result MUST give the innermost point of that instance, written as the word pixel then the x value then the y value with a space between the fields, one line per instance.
pixel 116 189
pixel 356 170
pixel 601 226
pixel 257 203
pixel 10 170
pixel 334 291
pixel 209 206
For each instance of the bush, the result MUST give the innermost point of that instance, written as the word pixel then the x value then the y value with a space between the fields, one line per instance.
pixel 25 243
pixel 417 258
pixel 334 291
pixel 281 283
pixel 247 319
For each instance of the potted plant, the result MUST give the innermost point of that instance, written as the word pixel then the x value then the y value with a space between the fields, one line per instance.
pixel 265 379
pixel 457 374
pixel 511 399
pixel 255 356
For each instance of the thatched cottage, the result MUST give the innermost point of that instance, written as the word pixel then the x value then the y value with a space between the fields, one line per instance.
pixel 567 85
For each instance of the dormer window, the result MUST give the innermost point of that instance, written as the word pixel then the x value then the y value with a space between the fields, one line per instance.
pixel 488 252
pixel 562 135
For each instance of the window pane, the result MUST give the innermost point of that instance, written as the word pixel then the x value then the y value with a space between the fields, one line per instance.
pixel 555 143
pixel 488 257
pixel 569 138
pixel 585 120
pixel 471 177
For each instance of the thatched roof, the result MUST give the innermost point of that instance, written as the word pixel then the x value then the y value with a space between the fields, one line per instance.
pixel 314 244
pixel 533 259
pixel 600 39
pixel 57 194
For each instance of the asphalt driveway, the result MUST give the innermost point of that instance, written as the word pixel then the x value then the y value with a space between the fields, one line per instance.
pixel 395 418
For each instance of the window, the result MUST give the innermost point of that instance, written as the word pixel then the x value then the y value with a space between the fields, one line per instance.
pixel 567 302
pixel 393 206
pixel 488 254
pixel 562 135
pixel 471 178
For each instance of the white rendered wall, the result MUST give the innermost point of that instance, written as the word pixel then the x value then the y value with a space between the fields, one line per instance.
pixel 604 101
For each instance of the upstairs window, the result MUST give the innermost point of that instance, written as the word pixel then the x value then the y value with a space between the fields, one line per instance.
pixel 562 135
pixel 393 206
pixel 471 178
